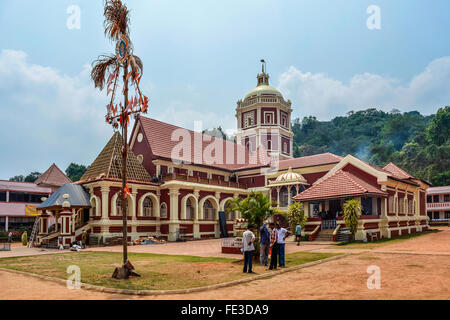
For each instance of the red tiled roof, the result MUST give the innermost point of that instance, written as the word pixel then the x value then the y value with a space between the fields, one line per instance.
pixel 53 177
pixel 338 185
pixel 159 135
pixel 397 172
pixel 310 161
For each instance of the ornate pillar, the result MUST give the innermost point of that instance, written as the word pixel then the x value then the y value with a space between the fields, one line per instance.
pixel 105 201
pixel 289 195
pixel 158 217
pixel 196 226
pixel 173 221
pixel 278 197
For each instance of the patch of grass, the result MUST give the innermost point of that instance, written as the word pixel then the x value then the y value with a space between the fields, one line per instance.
pixel 381 242
pixel 158 271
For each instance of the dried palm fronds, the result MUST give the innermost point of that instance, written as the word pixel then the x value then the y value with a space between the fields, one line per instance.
pixel 136 66
pixel 116 19
pixel 101 66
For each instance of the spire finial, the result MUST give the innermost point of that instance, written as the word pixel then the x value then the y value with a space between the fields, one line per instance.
pixel 263 65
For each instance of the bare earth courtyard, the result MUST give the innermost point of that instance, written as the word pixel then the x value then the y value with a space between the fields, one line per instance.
pixel 417 268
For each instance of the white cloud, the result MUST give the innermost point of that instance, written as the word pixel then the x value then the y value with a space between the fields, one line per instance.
pixel 47 116
pixel 319 95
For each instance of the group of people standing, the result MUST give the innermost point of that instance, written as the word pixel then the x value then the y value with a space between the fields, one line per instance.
pixel 273 238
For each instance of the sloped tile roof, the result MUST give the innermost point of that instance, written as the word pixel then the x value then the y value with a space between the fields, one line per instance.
pixel 339 185
pixel 53 177
pixel 159 135
pixel 108 164
pixel 310 161
pixel 397 172
pixel 78 197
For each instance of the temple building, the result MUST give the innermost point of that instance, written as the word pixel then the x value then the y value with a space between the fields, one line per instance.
pixel 181 182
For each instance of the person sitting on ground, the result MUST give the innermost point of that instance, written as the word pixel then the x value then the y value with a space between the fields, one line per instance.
pixel 248 238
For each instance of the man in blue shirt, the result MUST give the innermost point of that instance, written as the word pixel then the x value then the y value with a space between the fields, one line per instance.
pixel 264 244
pixel 298 233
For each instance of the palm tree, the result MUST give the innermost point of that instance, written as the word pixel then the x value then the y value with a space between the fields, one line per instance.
pixel 255 208
pixel 352 210
pixel 106 69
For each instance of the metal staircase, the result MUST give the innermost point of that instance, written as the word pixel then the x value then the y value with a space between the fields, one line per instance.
pixel 34 232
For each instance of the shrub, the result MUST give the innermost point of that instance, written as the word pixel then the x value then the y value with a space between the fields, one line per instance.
pixel 296 215
pixel 24 238
pixel 352 211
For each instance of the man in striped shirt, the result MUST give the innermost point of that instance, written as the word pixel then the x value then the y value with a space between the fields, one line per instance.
pixel 274 245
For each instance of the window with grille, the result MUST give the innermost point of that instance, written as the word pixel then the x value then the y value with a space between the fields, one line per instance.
pixel 119 203
pixel 163 210
pixel 189 209
pixel 148 207
pixel 208 210
pixel 391 204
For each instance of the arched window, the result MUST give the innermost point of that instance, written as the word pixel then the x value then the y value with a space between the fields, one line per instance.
pixel 148 207
pixel 208 210
pixel 189 210
pixel 119 206
pixel 230 215
pixel 163 210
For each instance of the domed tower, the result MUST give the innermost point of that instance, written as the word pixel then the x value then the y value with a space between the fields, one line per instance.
pixel 264 119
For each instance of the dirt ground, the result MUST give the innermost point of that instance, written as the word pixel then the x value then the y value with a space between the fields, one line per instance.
pixel 418 268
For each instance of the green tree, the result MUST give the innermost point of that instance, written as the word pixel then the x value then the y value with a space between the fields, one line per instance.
pixel 296 215
pixel 255 208
pixel 17 178
pixel 75 171
pixel 352 211
pixel 438 132
pixel 32 177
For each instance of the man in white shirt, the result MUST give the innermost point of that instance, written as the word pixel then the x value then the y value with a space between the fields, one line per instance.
pixel 282 235
pixel 248 238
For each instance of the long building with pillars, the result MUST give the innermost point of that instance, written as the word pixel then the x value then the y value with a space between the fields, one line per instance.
pixel 181 181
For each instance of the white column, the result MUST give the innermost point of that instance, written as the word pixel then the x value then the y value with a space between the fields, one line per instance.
pixel 173 221
pixel 134 205
pixel 289 195
pixel 196 226
pixel 278 197
pixel 105 201
pixel 6 223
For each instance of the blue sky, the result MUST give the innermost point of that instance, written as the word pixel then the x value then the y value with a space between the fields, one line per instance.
pixel 200 57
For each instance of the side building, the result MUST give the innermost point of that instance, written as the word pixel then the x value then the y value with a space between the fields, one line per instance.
pixel 19 200
pixel 438 203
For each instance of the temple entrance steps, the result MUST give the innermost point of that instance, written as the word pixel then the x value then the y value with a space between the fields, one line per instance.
pixel 325 236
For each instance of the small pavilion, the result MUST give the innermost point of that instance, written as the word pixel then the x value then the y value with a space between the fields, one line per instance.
pixel 285 187
pixel 68 208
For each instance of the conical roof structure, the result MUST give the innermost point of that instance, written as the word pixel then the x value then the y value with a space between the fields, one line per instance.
pixel 108 164
pixel 52 177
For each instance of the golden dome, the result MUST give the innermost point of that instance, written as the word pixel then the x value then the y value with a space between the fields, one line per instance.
pixel 263 89
pixel 289 177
